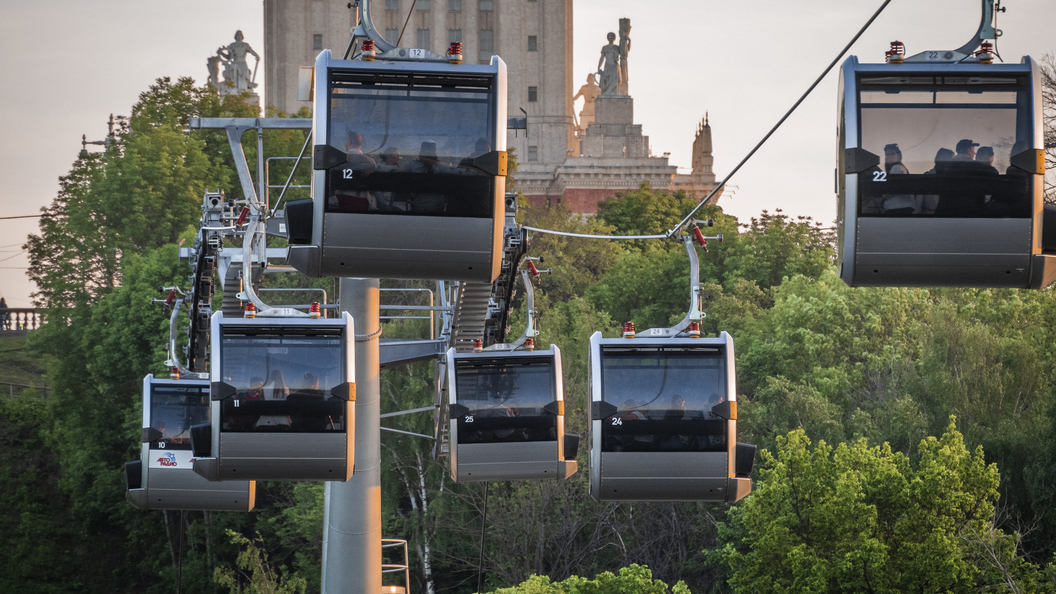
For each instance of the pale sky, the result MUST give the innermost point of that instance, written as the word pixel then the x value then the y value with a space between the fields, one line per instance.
pixel 743 62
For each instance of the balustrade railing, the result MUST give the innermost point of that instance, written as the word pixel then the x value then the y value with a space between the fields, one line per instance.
pixel 18 320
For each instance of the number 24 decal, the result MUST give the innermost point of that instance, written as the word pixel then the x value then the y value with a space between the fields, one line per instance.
pixel 617 421
pixel 879 176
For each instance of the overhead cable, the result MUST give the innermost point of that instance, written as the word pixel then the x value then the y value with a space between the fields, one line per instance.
pixel 671 232
pixel 675 230
pixel 567 234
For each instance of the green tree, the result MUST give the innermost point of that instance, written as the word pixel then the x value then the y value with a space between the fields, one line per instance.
pixel 255 575
pixel 576 262
pixel 645 211
pixel 860 518
pixel 635 578
pixel 774 247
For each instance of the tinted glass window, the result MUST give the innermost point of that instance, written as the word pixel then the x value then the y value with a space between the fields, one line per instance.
pixel 664 397
pixel 282 382
pixel 173 410
pixel 944 145
pixel 505 398
pixel 412 150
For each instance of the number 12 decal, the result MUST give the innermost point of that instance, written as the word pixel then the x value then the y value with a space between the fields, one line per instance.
pixel 346 173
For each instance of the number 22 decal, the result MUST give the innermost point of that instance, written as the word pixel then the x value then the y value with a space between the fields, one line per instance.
pixel 879 176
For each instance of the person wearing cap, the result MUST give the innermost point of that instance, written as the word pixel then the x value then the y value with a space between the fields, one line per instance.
pixel 965 150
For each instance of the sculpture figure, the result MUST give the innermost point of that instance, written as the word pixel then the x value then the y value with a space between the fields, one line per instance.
pixel 236 70
pixel 609 67
pixel 625 48
pixel 589 92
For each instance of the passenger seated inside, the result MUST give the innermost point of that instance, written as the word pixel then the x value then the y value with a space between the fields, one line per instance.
pixel 390 201
pixel 159 426
pixel 356 165
pixel 675 440
pixel 637 441
pixel 241 420
pixel 275 390
pixel 931 201
pixel 307 410
pixel 897 204
pixel 427 162
pixel 466 166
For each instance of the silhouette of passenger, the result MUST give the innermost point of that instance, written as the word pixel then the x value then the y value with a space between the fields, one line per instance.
pixel 425 200
pixel 931 201
pixel 897 204
pixel 985 155
pixel 349 195
pixel 482 148
pixel 275 390
pixel 965 150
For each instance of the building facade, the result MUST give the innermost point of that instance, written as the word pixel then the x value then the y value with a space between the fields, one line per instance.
pixel 295 31
pixel 534 38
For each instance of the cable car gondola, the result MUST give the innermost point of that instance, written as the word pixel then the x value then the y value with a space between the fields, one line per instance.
pixel 410 167
pixel 940 171
pixel 664 417
pixel 283 400
pixel 507 416
pixel 163 478
pixel 507 408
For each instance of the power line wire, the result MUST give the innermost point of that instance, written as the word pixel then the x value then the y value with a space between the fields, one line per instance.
pixel 22 217
pixel 567 234
pixel 674 230
pixel 825 73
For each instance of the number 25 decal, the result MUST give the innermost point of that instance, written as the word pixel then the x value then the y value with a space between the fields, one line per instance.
pixel 469 418
pixel 346 173
pixel 879 176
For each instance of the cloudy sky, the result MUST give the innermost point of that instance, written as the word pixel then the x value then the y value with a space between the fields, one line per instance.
pixel 744 63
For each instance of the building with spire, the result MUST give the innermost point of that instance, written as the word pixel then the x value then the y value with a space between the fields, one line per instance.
pixel 701 181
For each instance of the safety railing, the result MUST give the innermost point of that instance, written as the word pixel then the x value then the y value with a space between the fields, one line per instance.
pixel 394 544
pixel 9 387
pixel 19 321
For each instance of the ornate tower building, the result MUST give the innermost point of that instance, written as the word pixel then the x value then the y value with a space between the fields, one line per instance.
pixel 702 181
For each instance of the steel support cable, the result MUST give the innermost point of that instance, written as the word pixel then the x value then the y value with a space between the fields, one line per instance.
pixel 566 234
pixel 409 13
pixel 825 73
pixel 674 230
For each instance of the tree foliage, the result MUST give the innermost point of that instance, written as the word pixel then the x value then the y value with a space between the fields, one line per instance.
pixel 814 357
pixel 864 519
pixel 634 579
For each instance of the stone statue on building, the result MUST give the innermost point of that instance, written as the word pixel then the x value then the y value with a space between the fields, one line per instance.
pixel 609 68
pixel 589 92
pixel 237 75
pixel 625 48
